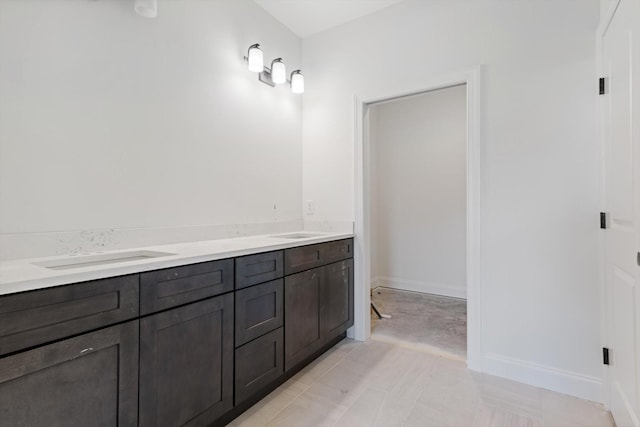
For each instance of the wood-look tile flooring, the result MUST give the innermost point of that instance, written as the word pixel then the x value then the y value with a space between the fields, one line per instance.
pixel 385 384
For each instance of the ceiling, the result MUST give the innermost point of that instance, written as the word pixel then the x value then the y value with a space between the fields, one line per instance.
pixel 308 17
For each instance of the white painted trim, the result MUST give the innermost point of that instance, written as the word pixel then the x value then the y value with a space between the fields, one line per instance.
pixel 601 72
pixel 362 247
pixel 443 289
pixel 543 376
pixel 362 322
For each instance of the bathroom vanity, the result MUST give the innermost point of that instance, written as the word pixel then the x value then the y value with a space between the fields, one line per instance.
pixel 193 344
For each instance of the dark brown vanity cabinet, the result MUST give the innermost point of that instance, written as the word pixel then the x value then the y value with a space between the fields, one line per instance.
pixel 303 258
pixel 192 345
pixel 338 297
pixel 171 287
pixel 259 363
pixel 258 268
pixel 34 318
pixel 186 352
pixel 259 309
pixel 259 339
pixel 338 250
pixel 318 302
pixel 89 380
pixel 186 364
pixel 303 312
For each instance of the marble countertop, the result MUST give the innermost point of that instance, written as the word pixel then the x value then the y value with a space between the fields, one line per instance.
pixel 30 274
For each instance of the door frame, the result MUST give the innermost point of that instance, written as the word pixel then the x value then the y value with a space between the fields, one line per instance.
pixel 362 251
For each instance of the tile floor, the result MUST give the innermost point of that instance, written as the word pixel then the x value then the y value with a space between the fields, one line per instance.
pixel 377 383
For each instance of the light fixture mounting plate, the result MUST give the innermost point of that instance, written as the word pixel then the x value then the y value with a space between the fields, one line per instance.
pixel 265 77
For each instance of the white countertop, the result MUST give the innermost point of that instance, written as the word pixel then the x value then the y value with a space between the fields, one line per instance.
pixel 26 275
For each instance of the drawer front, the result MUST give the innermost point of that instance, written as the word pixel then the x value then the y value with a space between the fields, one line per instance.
pixel 170 287
pixel 303 258
pixel 259 309
pixel 258 363
pixel 259 268
pixel 32 318
pixel 338 250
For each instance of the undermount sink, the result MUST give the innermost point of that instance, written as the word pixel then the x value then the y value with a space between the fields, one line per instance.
pixel 297 235
pixel 70 262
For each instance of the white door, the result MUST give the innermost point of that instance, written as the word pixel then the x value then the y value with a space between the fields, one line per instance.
pixel 621 106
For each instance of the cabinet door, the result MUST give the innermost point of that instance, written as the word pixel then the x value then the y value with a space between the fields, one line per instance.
pixel 89 380
pixel 186 364
pixel 338 298
pixel 303 326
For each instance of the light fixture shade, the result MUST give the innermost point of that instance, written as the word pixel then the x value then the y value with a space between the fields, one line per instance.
pixel 255 59
pixel 278 71
pixel 297 82
pixel 146 8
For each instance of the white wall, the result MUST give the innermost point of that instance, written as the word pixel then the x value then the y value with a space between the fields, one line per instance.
pixel 418 188
pixel 605 5
pixel 539 181
pixel 116 130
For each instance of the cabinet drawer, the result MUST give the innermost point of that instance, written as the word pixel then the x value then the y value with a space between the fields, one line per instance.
pixel 258 310
pixel 259 268
pixel 37 317
pixel 170 287
pixel 303 258
pixel 338 250
pixel 258 363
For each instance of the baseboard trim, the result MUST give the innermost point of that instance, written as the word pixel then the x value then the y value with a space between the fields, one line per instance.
pixel 418 286
pixel 547 377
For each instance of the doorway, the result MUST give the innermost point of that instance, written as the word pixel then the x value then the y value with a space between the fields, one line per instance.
pixel 362 253
pixel 417 208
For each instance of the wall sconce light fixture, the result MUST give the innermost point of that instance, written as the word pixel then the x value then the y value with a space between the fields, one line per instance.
pixel 297 82
pixel 255 58
pixel 146 8
pixel 274 75
pixel 278 71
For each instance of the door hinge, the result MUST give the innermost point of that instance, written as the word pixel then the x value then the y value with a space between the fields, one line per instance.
pixel 601 85
pixel 605 355
pixel 638 258
pixel 603 220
